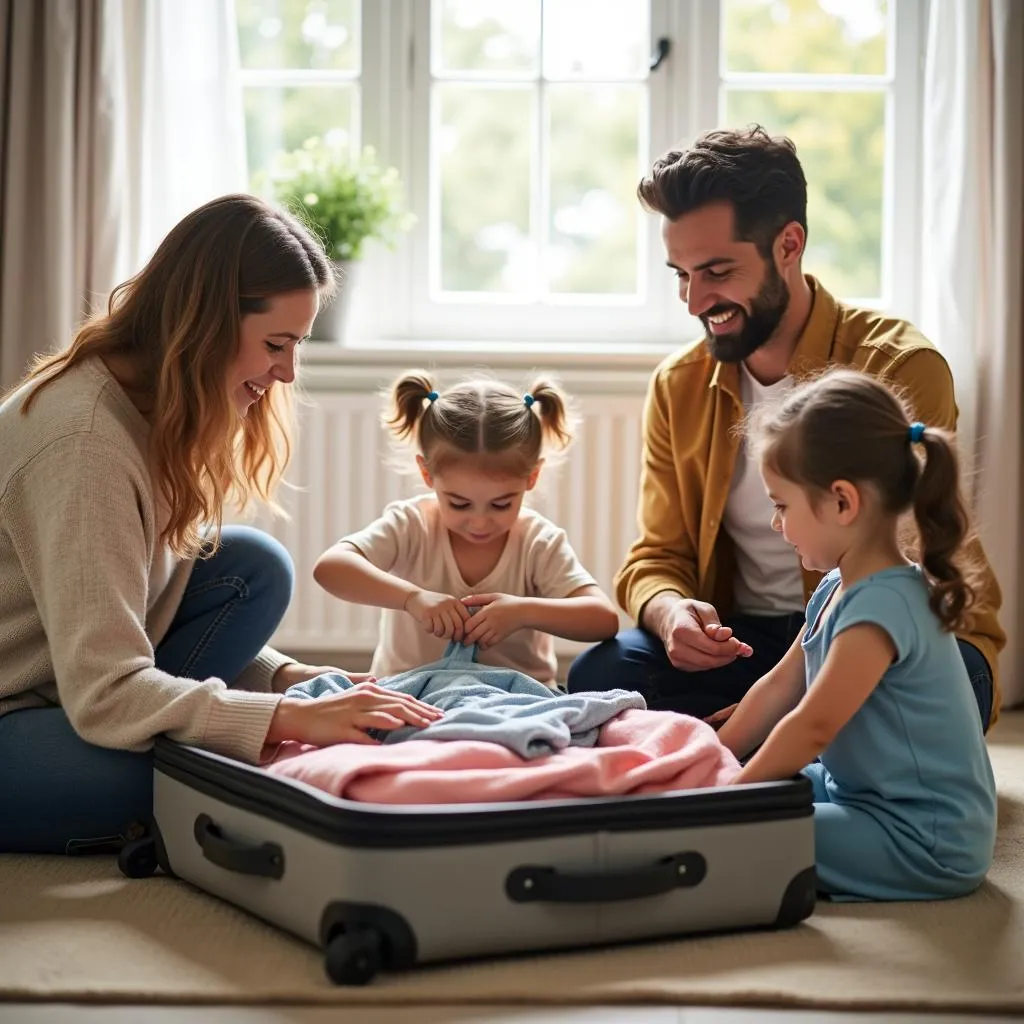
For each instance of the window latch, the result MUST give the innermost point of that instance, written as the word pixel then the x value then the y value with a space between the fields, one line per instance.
pixel 661 51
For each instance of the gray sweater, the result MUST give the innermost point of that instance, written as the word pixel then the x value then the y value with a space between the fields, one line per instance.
pixel 88 590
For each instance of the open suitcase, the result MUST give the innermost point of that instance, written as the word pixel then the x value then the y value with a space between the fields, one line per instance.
pixel 384 886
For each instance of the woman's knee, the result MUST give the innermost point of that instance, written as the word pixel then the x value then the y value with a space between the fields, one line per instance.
pixel 262 561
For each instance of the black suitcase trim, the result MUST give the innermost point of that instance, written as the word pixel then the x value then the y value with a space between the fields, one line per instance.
pixel 348 823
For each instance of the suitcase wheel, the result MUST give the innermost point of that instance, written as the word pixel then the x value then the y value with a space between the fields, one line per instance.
pixel 353 957
pixel 138 859
pixel 799 899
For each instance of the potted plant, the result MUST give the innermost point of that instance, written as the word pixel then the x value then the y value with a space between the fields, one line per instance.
pixel 346 198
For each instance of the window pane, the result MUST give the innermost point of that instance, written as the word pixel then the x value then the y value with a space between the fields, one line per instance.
pixel 482 144
pixel 481 151
pixel 596 38
pixel 837 37
pixel 282 118
pixel 840 138
pixel 493 36
pixel 319 34
pixel 592 242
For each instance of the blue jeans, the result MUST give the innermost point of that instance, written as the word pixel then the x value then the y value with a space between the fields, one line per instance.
pixel 636 660
pixel 59 794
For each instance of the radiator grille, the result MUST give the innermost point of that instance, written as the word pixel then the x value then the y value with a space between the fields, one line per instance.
pixel 342 476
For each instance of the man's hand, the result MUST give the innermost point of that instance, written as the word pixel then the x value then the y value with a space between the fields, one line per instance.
pixel 295 672
pixel 497 617
pixel 695 639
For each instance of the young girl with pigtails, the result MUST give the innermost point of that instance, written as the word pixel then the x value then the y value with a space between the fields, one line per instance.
pixel 873 702
pixel 468 561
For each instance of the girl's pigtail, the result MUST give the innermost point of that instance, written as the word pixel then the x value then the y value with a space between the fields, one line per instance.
pixel 943 524
pixel 409 399
pixel 552 407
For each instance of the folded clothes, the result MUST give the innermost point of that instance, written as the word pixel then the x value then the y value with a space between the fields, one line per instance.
pixel 637 752
pixel 496 705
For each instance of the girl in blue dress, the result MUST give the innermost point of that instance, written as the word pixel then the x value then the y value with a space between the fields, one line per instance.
pixel 872 702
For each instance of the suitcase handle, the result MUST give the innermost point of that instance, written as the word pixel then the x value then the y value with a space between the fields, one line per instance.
pixel 263 859
pixel 531 883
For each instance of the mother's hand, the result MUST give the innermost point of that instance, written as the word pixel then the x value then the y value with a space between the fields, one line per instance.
pixel 346 717
pixel 296 672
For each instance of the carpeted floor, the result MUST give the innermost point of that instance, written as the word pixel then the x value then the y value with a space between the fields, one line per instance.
pixel 75 930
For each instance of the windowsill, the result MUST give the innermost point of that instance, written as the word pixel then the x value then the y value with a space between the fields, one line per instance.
pixel 554 351
pixel 581 365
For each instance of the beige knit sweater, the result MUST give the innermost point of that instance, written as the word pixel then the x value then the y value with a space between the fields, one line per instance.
pixel 87 590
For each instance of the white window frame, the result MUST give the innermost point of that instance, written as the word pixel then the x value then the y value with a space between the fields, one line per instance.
pixel 394 317
pixel 401 311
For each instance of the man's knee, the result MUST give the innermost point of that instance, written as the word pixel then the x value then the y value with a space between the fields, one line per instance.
pixel 980 675
pixel 590 666
pixel 620 663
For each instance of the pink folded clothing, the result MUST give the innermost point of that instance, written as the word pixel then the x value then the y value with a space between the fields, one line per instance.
pixel 637 752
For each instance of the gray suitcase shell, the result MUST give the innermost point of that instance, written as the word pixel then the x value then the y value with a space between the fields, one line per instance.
pixel 388 886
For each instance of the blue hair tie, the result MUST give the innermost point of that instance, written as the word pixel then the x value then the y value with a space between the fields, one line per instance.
pixel 528 400
pixel 915 432
pixel 432 396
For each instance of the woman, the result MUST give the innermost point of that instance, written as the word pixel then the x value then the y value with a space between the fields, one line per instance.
pixel 126 610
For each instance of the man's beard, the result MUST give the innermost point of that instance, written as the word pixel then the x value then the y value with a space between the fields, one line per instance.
pixel 766 311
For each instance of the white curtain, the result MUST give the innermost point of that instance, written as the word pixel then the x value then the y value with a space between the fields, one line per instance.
pixel 116 118
pixel 972 253
pixel 185 122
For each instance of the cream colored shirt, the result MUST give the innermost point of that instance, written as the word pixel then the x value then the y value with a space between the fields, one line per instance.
pixel 88 590
pixel 409 541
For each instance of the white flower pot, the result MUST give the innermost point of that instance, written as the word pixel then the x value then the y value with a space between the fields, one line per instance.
pixel 331 321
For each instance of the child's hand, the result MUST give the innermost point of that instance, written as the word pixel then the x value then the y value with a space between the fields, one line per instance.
pixel 719 718
pixel 295 672
pixel 440 614
pixel 498 616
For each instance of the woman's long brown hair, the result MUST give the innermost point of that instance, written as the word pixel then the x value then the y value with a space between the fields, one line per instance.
pixel 178 323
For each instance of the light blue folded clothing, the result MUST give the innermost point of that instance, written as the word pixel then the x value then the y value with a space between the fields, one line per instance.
pixel 498 705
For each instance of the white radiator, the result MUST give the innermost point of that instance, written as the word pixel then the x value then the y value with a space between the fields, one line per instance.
pixel 342 475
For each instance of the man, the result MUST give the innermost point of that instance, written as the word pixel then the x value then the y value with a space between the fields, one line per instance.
pixel 718 595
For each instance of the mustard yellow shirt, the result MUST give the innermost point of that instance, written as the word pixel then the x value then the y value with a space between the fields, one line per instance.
pixel 690 444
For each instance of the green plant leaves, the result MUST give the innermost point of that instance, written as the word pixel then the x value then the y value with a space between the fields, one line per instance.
pixel 344 197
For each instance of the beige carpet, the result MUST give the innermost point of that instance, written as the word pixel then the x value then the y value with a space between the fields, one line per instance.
pixel 75 930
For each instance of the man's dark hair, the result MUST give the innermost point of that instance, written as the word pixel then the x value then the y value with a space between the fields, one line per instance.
pixel 760 175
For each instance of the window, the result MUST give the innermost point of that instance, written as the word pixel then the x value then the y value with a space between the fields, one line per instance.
pixel 825 73
pixel 535 124
pixel 300 73
pixel 519 96
pixel 521 129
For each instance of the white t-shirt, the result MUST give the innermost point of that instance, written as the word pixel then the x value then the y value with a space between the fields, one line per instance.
pixel 409 541
pixel 768 578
